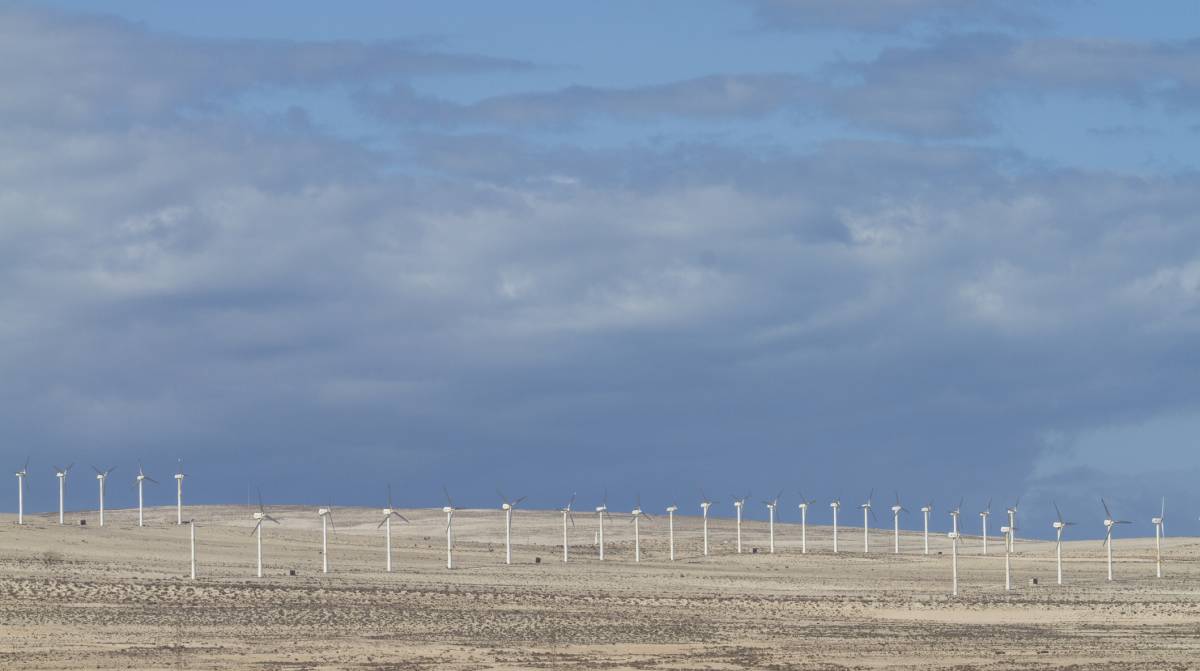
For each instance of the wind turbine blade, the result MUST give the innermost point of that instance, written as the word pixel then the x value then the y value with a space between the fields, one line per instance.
pixel 1106 510
pixel 268 517
pixel 1162 511
pixel 648 517
pixel 447 493
pixel 572 501
pixel 382 523
pixel 571 516
pixel 389 488
pixel 152 479
pixel 514 503
pixel 256 526
pixel 96 469
pixel 260 503
pixel 503 498
pixel 69 467
pixel 400 516
pixel 989 506
pixel 1058 512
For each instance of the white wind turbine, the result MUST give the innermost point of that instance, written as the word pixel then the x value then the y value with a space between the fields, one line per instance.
pixel 141 481
pixel 983 517
pixel 567 515
pixel 260 517
pixel 637 515
pixel 772 505
pixel 1109 523
pixel 954 536
pixel 1059 527
pixel 896 510
pixel 1160 532
pixel 192 533
pixel 1008 532
pixel 61 474
pixel 705 504
pixel 925 510
pixel 738 504
pixel 179 476
pixel 866 508
pixel 449 510
pixel 388 513
pixel 804 504
pixel 326 515
pixel 508 507
pixel 21 491
pixel 671 527
pixel 835 504
pixel 1012 524
pixel 102 478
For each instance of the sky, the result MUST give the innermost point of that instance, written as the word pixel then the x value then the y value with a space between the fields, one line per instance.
pixel 929 248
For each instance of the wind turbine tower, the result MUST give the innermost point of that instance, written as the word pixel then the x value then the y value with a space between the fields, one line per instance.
pixel 804 504
pixel 179 476
pixel 954 560
pixel 896 510
pixel 705 504
pixel 1059 527
pixel 326 515
pixel 925 510
pixel 61 474
pixel 601 511
pixel 21 491
pixel 1007 531
pixel 772 505
pixel 260 517
pixel 1160 532
pixel 954 517
pixel 737 504
pixel 1109 523
pixel 508 506
pixel 449 510
pixel 388 513
pixel 867 510
pixel 1012 524
pixel 637 537
pixel 671 527
pixel 141 481
pixel 983 517
pixel 567 514
pixel 835 504
pixel 102 478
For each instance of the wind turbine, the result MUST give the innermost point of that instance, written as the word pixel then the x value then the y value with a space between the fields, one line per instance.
pixel 804 504
pixel 141 480
pixel 601 513
pixel 866 524
pixel 1109 523
pixel 102 478
pixel 179 476
pixel 954 527
pixel 1160 532
pixel 21 491
pixel 326 515
pixel 835 504
pixel 1059 527
pixel 192 533
pixel 637 538
pixel 1012 524
pixel 1008 532
pixel 737 504
pixel 671 527
pixel 896 510
pixel 954 536
pixel 61 474
pixel 260 517
pixel 925 510
pixel 771 506
pixel 388 513
pixel 983 516
pixel 567 514
pixel 508 506
pixel 705 504
pixel 449 510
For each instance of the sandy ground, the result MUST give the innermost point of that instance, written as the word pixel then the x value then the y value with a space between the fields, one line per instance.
pixel 119 597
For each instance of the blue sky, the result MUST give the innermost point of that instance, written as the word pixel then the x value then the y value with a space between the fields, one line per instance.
pixel 943 248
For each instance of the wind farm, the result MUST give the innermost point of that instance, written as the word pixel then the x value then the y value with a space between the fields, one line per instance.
pixel 954 608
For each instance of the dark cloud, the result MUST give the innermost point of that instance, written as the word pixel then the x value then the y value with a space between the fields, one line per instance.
pixel 305 313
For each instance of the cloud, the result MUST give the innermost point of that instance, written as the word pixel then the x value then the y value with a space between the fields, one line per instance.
pixel 886 17
pixel 75 69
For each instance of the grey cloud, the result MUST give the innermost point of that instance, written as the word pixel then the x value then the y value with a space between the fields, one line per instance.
pixel 885 17
pixel 85 69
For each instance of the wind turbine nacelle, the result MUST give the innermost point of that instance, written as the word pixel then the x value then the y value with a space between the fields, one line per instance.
pixel 99 476
pixel 1059 525
pixel 179 476
pixel 1005 530
pixel 953 534
pixel 636 512
pixel 835 504
pixel 323 511
pixel 1156 520
pixel 926 509
pixel 387 512
pixel 672 509
pixel 601 509
pixel 505 506
pixel 1109 523
pixel 259 516
pixel 447 509
pixel 896 509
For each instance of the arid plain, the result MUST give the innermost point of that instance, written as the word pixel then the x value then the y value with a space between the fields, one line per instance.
pixel 118 597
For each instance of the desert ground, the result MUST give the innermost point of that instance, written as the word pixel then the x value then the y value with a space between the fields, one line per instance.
pixel 119 597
